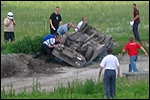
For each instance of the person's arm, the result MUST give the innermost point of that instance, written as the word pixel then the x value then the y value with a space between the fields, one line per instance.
pixel 100 71
pixel 75 27
pixel 123 52
pixel 14 22
pixel 144 50
pixel 67 34
pixel 51 24
pixel 60 23
pixel 137 16
pixel 52 46
pixel 118 67
pixel 7 23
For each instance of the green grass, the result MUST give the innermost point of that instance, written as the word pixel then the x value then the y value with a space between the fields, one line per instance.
pixel 108 17
pixel 91 89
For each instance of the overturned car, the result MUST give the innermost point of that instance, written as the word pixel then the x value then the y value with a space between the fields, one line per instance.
pixel 83 46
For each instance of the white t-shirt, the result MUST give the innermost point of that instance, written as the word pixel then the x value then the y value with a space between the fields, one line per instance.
pixel 110 62
pixel 79 25
pixel 10 27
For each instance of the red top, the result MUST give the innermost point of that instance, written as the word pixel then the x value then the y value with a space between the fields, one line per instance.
pixel 132 48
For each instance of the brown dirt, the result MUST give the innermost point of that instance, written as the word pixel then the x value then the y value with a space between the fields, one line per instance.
pixel 21 65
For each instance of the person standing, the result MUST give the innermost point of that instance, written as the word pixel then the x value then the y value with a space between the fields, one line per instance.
pixel 80 23
pixel 9 23
pixel 136 20
pixel 110 63
pixel 132 48
pixel 55 20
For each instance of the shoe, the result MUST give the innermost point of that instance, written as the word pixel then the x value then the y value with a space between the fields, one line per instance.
pixel 36 56
pixel 139 40
pixel 47 61
pixel 105 97
pixel 112 97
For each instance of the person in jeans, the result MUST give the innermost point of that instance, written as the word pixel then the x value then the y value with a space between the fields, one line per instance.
pixel 136 20
pixel 110 63
pixel 132 48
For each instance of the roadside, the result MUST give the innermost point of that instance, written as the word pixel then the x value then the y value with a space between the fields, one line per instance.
pixel 67 74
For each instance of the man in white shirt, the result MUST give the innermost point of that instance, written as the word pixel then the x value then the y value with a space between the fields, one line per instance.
pixel 110 63
pixel 80 23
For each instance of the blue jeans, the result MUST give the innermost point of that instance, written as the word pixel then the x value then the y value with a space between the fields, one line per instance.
pixel 132 65
pixel 110 83
pixel 135 30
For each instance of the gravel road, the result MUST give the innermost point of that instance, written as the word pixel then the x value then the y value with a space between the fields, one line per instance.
pixel 68 74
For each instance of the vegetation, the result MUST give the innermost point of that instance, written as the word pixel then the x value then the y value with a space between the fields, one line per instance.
pixel 108 17
pixel 91 89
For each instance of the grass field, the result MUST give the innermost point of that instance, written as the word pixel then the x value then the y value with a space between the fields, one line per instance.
pixel 108 17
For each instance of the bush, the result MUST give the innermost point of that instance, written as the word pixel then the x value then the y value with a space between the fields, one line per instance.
pixel 27 45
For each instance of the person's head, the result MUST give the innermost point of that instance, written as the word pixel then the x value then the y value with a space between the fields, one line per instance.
pixel 70 25
pixel 131 39
pixel 57 37
pixel 10 15
pixel 57 9
pixel 134 6
pixel 109 51
pixel 83 19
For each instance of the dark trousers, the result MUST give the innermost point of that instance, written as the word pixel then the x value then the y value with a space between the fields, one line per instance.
pixel 110 83
pixel 45 50
pixel 9 35
pixel 135 30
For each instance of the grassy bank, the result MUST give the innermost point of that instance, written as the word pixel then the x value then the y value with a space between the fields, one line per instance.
pixel 91 89
pixel 108 17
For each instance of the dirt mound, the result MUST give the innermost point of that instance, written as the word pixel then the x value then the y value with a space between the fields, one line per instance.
pixel 21 65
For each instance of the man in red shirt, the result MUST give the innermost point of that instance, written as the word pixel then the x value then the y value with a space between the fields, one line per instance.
pixel 132 49
pixel 136 20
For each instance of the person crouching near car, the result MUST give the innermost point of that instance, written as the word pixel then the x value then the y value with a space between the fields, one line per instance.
pixel 48 46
